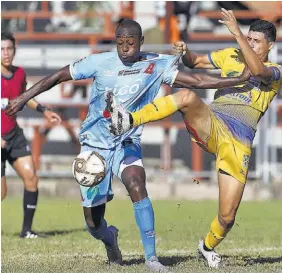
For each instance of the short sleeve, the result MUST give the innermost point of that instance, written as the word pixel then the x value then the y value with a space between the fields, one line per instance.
pixel 171 70
pixel 217 58
pixel 87 67
pixel 276 73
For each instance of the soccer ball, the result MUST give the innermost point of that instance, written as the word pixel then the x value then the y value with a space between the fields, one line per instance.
pixel 89 168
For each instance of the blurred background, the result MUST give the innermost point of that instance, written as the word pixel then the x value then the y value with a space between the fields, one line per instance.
pixel 52 34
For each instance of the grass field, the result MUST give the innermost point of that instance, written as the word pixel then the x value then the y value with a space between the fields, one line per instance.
pixel 254 245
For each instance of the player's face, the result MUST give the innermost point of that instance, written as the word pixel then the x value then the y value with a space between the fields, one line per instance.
pixel 259 44
pixel 128 46
pixel 7 52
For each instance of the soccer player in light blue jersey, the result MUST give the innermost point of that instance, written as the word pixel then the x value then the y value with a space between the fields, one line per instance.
pixel 133 78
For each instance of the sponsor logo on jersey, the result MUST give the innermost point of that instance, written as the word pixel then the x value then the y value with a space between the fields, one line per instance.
pixel 245 97
pixel 241 97
pixel 233 73
pixel 121 90
pixel 129 72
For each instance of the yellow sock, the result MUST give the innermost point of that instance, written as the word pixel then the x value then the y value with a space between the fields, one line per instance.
pixel 216 234
pixel 160 108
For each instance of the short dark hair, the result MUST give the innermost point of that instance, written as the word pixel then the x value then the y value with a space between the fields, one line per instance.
pixel 265 27
pixel 8 36
pixel 131 24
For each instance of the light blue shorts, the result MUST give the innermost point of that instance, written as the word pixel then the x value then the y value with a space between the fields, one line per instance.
pixel 125 154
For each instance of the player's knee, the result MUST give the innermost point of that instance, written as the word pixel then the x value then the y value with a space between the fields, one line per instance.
pixel 185 97
pixel 31 181
pixel 134 178
pixel 227 218
pixel 136 184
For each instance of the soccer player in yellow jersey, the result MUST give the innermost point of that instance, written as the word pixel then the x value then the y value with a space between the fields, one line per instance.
pixel 228 125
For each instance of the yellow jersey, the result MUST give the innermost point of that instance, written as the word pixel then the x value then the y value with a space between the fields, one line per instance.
pixel 242 106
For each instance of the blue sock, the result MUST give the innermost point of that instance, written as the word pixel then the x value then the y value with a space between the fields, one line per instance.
pixel 101 233
pixel 145 220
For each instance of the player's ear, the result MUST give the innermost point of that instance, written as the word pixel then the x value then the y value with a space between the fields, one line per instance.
pixel 142 40
pixel 270 45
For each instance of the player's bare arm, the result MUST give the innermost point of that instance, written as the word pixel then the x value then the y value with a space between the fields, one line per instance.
pixel 192 59
pixel 43 85
pixel 253 60
pixel 51 116
pixel 203 81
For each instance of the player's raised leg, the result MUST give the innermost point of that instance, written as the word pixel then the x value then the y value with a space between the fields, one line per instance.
pixel 230 195
pixel 195 112
pixel 25 168
pixel 98 228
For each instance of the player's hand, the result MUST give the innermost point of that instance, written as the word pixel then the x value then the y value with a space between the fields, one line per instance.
pixel 246 74
pixel 3 143
pixel 180 47
pixel 14 106
pixel 52 117
pixel 229 19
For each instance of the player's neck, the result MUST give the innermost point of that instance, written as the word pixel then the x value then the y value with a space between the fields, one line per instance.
pixel 139 58
pixel 264 58
pixel 6 70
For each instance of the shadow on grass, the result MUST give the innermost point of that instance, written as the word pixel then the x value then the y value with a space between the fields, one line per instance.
pixel 248 260
pixel 262 260
pixel 174 260
pixel 52 232
pixel 165 260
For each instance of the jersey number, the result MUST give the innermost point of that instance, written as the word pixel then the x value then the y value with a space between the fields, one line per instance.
pixel 150 69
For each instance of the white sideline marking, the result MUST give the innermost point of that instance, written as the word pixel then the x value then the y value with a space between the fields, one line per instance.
pixel 160 251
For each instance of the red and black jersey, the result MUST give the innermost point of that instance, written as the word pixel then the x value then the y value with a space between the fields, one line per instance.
pixel 11 88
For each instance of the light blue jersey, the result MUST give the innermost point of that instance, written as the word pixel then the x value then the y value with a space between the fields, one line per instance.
pixel 134 85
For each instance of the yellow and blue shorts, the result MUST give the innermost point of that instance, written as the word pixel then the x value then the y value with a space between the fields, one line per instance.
pixel 232 155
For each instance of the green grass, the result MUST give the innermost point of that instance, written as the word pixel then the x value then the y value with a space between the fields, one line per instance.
pixel 254 245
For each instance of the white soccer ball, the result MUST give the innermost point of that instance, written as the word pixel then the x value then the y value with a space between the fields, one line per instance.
pixel 89 168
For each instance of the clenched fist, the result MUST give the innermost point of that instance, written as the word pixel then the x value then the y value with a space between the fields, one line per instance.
pixel 180 47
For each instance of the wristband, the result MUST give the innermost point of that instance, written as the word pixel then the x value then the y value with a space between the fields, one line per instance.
pixel 40 108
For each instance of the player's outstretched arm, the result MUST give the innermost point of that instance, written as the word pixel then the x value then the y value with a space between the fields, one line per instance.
pixel 122 120
pixel 202 81
pixel 192 59
pixel 43 85
pixel 255 65
pixel 51 116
